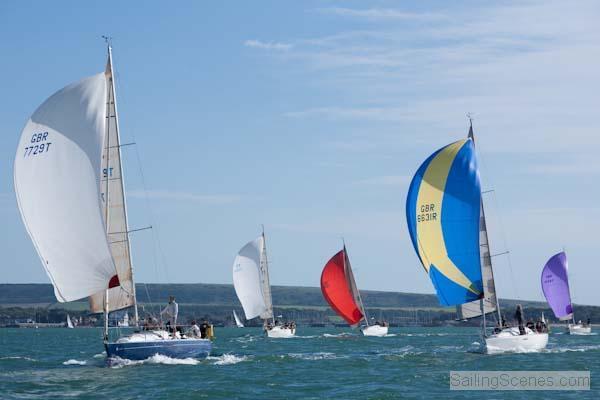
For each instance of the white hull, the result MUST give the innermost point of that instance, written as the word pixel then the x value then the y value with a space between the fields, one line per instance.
pixel 375 330
pixel 509 340
pixel 280 332
pixel 579 329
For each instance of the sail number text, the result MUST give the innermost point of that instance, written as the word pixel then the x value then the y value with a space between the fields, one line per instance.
pixel 427 212
pixel 38 145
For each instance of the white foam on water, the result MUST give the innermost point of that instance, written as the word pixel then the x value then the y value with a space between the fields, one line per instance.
pixel 314 356
pixel 305 337
pixel 337 335
pixel 227 359
pixel 18 358
pixel 581 348
pixel 117 362
pixel 74 362
pixel 390 335
pixel 100 355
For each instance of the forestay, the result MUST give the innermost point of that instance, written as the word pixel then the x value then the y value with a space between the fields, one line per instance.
pixel 57 180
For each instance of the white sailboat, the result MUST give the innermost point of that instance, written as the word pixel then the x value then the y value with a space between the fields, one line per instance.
pixel 253 289
pixel 69 323
pixel 69 185
pixel 237 320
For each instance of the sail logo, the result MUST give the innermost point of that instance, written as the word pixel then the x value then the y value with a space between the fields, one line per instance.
pixel 237 268
pixel 39 144
pixel 427 212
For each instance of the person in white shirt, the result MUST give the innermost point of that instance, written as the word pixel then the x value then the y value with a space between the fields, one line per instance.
pixel 195 330
pixel 171 311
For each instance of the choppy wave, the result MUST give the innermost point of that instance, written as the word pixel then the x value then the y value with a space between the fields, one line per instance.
pixel 315 356
pixel 227 359
pixel 100 355
pixel 581 348
pixel 18 358
pixel 74 362
pixel 337 335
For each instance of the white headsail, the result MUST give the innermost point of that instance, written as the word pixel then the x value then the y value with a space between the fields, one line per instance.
pixel 247 279
pixel 57 181
pixel 238 323
pixel 112 193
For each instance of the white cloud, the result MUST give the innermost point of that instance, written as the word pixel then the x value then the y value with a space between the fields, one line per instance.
pixel 387 180
pixel 381 13
pixel 275 46
pixel 184 196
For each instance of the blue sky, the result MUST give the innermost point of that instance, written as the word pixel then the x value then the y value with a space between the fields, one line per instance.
pixel 311 117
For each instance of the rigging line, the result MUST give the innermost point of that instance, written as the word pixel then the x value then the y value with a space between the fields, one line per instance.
pixel 117 81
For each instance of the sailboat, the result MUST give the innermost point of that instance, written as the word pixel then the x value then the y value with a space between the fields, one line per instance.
pixel 69 323
pixel 447 226
pixel 339 289
pixel 253 289
pixel 69 185
pixel 238 323
pixel 555 285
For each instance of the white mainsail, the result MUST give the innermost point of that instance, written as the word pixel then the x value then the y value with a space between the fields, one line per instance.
pixel 247 279
pixel 266 284
pixel 352 284
pixel 473 309
pixel 112 194
pixel 69 323
pixel 238 323
pixel 57 181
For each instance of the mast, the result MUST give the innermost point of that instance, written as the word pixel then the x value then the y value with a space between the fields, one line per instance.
pixel 113 98
pixel 348 268
pixel 487 241
pixel 265 277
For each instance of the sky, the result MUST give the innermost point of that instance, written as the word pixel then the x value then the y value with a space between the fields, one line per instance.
pixel 311 118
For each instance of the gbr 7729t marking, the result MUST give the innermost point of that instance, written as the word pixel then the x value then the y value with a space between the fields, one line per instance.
pixel 38 145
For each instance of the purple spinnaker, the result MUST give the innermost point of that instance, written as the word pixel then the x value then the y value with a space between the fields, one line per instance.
pixel 555 284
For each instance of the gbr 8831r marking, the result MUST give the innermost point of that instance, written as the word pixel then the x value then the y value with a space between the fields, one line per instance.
pixel 39 144
pixel 427 212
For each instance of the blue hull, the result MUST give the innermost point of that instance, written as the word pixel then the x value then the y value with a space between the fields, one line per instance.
pixel 174 348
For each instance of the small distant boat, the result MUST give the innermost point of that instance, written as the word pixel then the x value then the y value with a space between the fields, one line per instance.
pixel 253 289
pixel 69 155
pixel 555 285
pixel 339 289
pixel 238 323
pixel 69 323
pixel 447 226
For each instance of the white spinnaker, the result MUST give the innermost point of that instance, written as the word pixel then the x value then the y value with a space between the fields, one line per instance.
pixel 121 296
pixel 266 282
pixel 247 279
pixel 473 308
pixel 57 187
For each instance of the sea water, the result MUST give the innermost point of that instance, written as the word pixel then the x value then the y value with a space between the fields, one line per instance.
pixel 332 363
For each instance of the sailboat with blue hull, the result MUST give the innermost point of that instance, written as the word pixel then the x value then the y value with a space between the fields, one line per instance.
pixel 69 155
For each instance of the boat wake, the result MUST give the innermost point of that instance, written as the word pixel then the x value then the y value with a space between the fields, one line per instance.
pixel 74 362
pixel 581 348
pixel 117 362
pixel 227 359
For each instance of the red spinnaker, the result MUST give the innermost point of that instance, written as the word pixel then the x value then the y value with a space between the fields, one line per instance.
pixel 337 292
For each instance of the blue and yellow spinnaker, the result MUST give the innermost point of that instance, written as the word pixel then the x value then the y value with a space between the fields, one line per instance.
pixel 443 212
